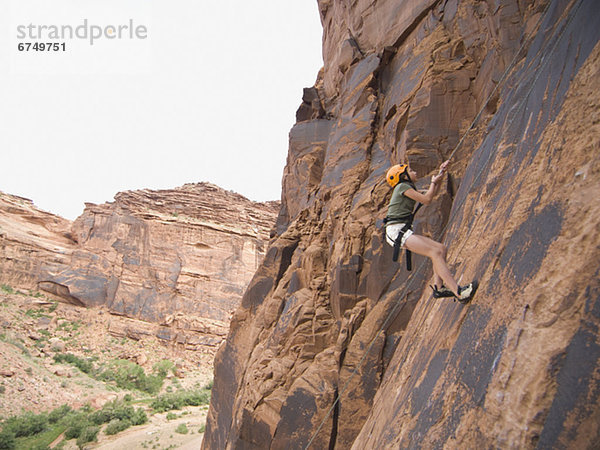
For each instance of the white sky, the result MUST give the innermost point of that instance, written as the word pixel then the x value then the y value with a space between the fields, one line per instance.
pixel 210 95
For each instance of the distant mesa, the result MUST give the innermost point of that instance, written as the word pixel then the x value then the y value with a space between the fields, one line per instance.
pixel 148 255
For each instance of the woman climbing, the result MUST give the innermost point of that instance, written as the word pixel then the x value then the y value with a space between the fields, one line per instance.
pixel 399 234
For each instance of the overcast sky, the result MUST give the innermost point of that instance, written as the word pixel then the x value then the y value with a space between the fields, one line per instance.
pixel 207 93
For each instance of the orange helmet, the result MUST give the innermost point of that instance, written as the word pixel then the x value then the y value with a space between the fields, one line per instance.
pixel 393 174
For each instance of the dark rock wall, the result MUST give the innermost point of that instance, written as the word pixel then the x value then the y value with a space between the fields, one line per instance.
pixel 329 314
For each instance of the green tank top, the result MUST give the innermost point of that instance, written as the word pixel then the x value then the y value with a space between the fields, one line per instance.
pixel 400 207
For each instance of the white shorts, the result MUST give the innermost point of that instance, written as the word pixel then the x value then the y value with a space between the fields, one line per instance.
pixel 392 231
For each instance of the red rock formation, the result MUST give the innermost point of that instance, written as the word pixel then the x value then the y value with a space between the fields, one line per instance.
pixel 30 238
pixel 181 258
pixel 328 314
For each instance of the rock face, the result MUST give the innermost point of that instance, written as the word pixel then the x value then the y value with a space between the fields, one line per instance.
pixel 30 239
pixel 328 315
pixel 181 258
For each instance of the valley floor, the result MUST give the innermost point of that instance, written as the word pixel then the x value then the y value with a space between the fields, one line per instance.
pixel 36 330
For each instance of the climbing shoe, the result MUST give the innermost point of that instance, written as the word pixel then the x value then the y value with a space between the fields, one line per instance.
pixel 466 293
pixel 441 292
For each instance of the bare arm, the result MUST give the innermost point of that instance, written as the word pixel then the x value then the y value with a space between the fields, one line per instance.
pixel 425 198
pixel 428 196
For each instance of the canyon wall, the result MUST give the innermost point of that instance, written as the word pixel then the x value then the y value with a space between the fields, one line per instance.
pixel 178 258
pixel 328 316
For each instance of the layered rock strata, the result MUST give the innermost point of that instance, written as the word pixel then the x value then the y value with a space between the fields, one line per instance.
pixel 329 316
pixel 30 239
pixel 179 258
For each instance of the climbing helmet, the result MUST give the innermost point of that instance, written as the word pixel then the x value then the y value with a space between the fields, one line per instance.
pixel 394 173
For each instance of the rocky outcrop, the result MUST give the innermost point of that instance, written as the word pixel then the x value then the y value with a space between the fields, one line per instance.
pixel 29 239
pixel 329 316
pixel 180 258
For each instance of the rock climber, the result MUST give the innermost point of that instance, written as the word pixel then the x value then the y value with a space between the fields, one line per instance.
pixel 399 234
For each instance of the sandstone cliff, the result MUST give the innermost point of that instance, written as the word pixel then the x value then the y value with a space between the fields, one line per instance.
pixel 328 315
pixel 29 239
pixel 178 258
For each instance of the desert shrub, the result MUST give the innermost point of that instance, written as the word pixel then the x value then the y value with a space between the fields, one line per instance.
pixel 85 365
pixel 38 446
pixel 152 384
pixel 88 434
pixel 116 426
pixel 26 424
pixel 76 424
pixel 128 375
pixel 118 410
pixel 181 428
pixel 7 440
pixel 163 367
pixel 139 417
pixel 179 399
pixel 57 414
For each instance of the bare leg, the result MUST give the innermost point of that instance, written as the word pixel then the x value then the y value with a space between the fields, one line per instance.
pixel 437 253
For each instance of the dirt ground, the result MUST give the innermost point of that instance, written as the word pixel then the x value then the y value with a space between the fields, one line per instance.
pixel 158 433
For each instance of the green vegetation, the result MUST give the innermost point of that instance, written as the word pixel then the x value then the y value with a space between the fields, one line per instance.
pixel 88 434
pixel 69 326
pixel 7 440
pixel 27 424
pixel 119 410
pixel 181 428
pixel 85 365
pixel 163 367
pixel 31 430
pixel 116 426
pixel 128 375
pixel 7 289
pixel 36 313
pixel 17 342
pixel 180 399
pixel 121 373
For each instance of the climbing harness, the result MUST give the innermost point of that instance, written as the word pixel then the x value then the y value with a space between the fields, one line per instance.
pixel 407 221
pixel 386 323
